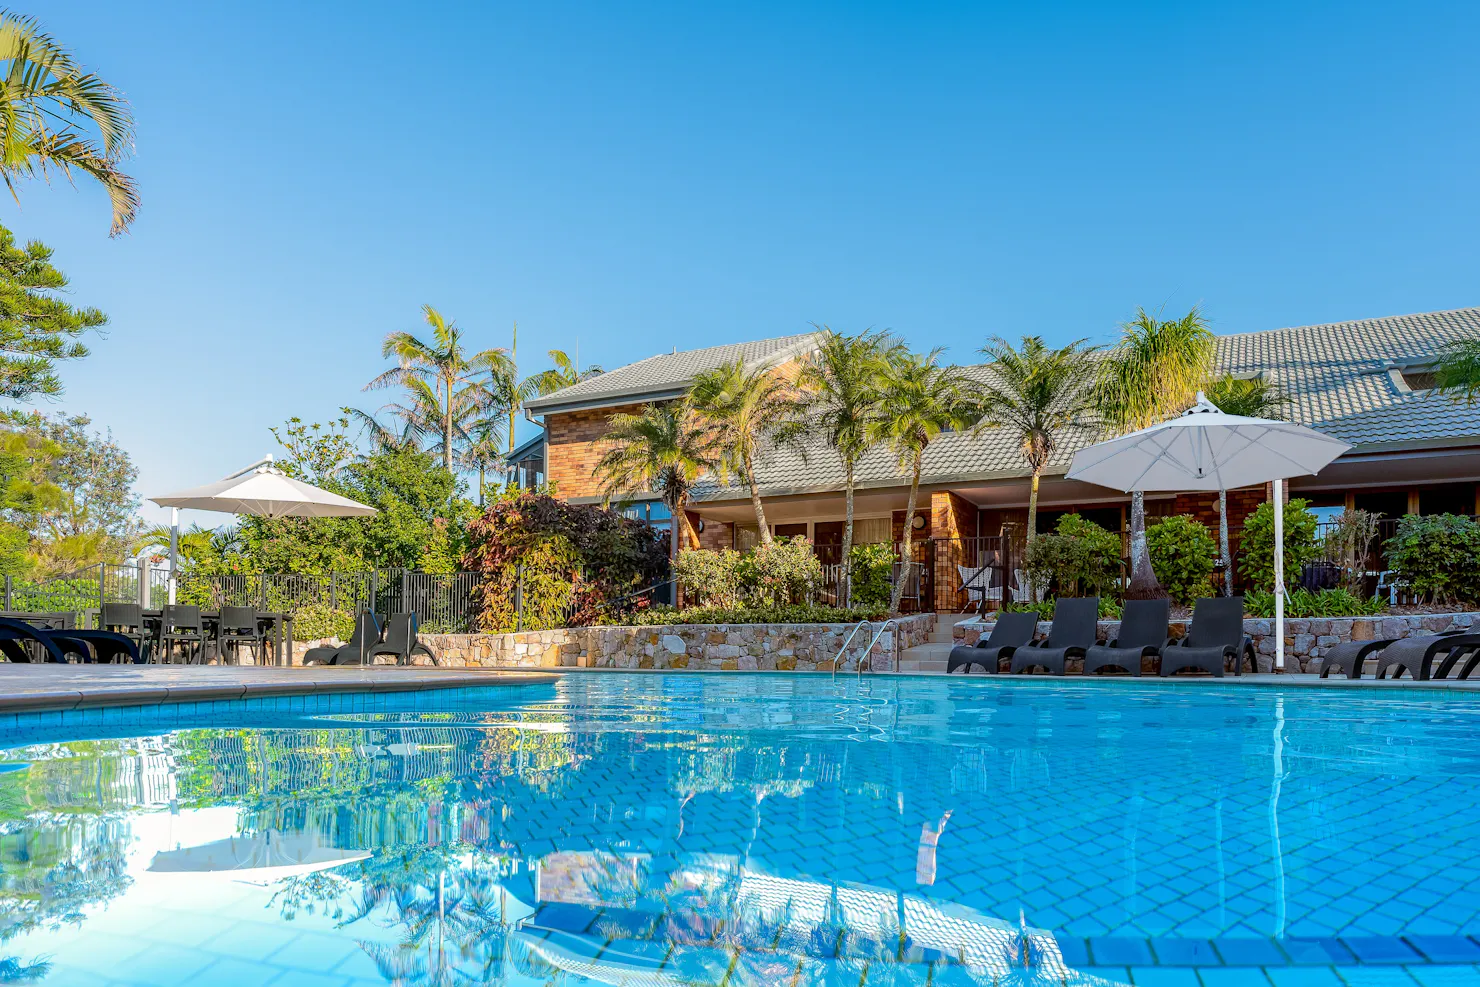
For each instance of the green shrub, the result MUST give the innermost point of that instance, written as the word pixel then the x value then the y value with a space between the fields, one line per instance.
pixel 315 621
pixel 1110 609
pixel 872 569
pixel 548 585
pixel 1183 554
pixel 710 579
pixel 785 572
pixel 1438 556
pixel 1080 558
pixel 1348 544
pixel 1304 603
pixel 1257 543
pixel 792 614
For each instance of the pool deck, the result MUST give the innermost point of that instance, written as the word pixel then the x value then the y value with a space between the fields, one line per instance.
pixel 36 687
pixel 33 687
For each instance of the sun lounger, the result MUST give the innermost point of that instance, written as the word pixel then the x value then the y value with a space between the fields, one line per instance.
pixel 1074 631
pixel 401 641
pixel 1416 655
pixel 1348 657
pixel 1216 635
pixel 1013 631
pixel 366 636
pixel 1143 633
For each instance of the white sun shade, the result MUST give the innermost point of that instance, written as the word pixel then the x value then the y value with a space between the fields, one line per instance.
pixel 1204 449
pixel 265 492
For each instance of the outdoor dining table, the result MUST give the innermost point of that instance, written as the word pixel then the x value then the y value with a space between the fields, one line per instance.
pixel 281 626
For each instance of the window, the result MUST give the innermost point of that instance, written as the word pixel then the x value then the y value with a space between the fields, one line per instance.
pixel 873 531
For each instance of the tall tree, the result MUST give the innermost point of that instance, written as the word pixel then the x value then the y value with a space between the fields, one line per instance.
pixel 94 515
pixel 483 450
pixel 840 397
pixel 1154 371
pixel 663 450
pixel 38 326
pixel 55 115
pixel 1039 395
pixel 743 410
pixel 918 400
pixel 442 374
pixel 510 391
pixel 1252 397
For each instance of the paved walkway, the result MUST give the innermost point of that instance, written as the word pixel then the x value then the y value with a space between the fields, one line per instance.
pixel 70 686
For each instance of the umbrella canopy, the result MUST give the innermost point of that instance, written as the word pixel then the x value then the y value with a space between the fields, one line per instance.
pixel 265 855
pixel 265 492
pixel 1204 449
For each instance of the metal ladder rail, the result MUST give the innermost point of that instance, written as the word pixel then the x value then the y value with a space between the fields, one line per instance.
pixel 846 641
pixel 869 651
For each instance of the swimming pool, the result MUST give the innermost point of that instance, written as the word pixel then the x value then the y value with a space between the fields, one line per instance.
pixel 749 830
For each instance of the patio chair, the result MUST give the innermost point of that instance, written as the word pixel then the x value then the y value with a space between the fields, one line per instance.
pixel 1075 629
pixel 1416 655
pixel 981 585
pixel 1348 657
pixel 401 641
pixel 127 619
pixel 181 624
pixel 239 626
pixel 366 636
pixel 1143 633
pixel 1012 631
pixel 1216 635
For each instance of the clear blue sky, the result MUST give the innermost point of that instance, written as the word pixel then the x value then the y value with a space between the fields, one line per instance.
pixel 644 176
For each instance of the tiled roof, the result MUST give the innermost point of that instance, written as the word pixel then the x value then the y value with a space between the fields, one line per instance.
pixel 667 374
pixel 1335 376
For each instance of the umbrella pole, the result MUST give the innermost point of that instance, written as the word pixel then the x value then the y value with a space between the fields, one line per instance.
pixel 174 549
pixel 1279 575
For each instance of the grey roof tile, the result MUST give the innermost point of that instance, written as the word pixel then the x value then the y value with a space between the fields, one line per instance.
pixel 1335 376
pixel 668 372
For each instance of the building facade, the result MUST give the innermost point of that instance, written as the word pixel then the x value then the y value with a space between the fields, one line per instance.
pixel 1368 382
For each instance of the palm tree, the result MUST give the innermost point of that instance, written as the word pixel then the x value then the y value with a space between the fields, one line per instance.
pixel 55 115
pixel 918 400
pixel 840 397
pixel 483 449
pixel 1458 372
pixel 1252 397
pixel 441 375
pixel 1154 372
pixel 1039 395
pixel 740 409
pixel 664 450
pixel 565 373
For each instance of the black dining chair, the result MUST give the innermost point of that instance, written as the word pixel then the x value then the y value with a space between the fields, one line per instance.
pixel 238 626
pixel 127 619
pixel 181 624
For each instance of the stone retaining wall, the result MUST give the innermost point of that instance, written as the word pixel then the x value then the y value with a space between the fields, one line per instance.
pixel 1307 639
pixel 765 647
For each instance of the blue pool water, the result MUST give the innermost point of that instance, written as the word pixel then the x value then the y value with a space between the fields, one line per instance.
pixel 749 830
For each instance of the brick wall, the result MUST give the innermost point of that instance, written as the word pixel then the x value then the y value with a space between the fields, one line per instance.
pixel 574 443
pixel 951 517
pixel 716 535
pixel 1204 507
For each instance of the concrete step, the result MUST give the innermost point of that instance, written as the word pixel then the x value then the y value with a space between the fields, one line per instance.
pixel 926 666
pixel 944 622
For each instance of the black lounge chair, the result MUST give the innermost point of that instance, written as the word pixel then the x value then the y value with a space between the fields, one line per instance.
pixel 1013 631
pixel 1348 657
pixel 401 641
pixel 16 634
pixel 1143 633
pixel 1216 635
pixel 1075 629
pixel 1416 655
pixel 366 636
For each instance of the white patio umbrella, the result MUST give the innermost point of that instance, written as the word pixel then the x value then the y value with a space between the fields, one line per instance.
pixel 1204 449
pixel 265 857
pixel 261 490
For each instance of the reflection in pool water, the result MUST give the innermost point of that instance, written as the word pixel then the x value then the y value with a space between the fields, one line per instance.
pixel 687 829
